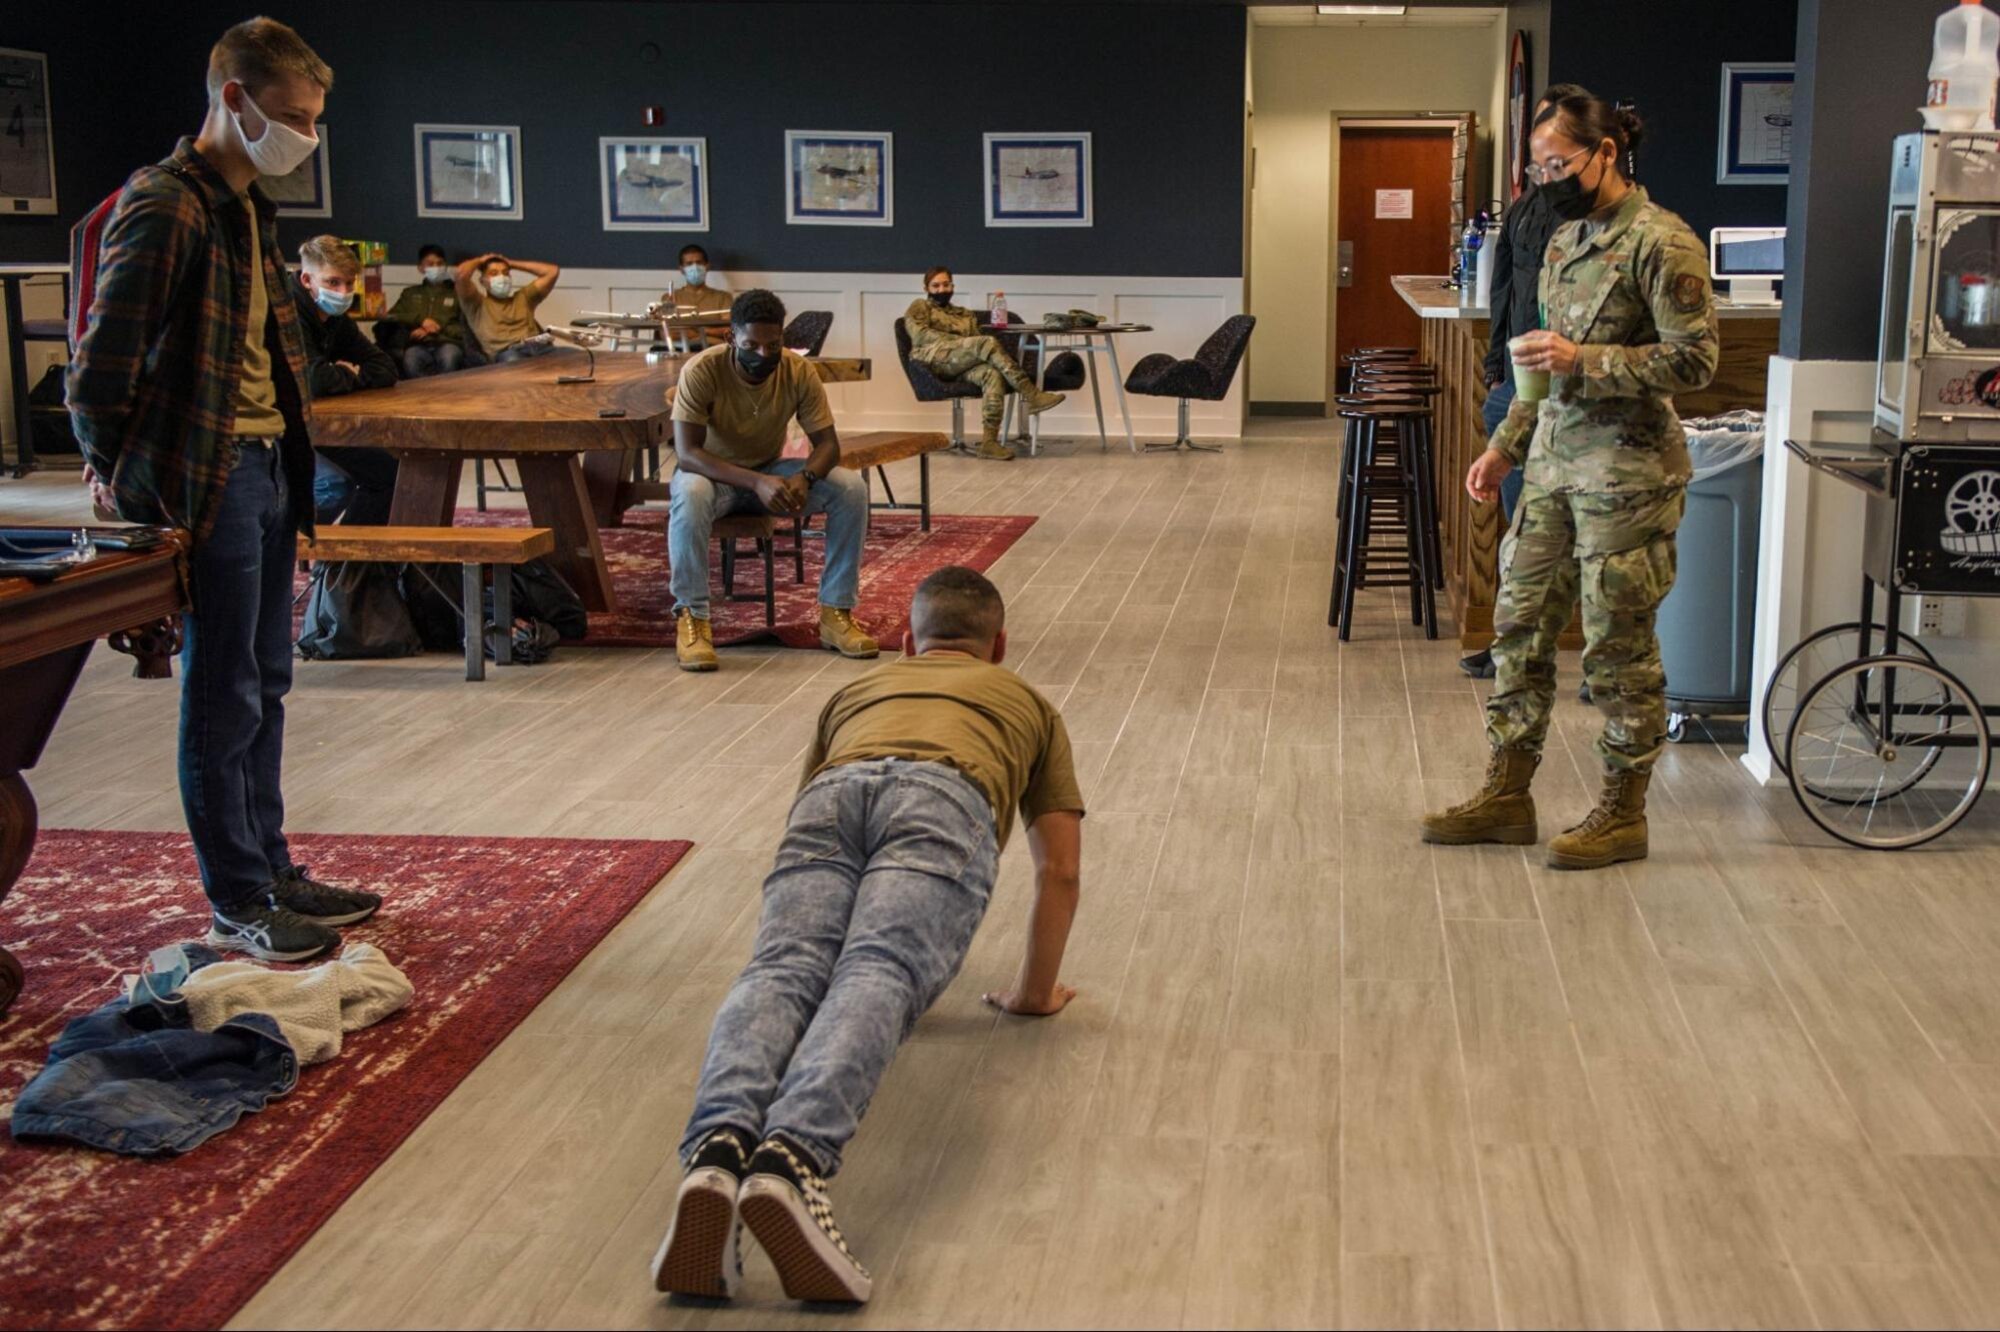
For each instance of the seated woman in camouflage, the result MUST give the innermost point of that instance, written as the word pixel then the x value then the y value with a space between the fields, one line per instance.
pixel 946 338
pixel 1628 322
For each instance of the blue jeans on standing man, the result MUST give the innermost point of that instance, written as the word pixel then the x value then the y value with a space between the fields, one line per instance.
pixel 697 502
pixel 1498 399
pixel 883 875
pixel 236 667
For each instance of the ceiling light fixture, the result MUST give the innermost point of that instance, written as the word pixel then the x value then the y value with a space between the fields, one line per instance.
pixel 1369 11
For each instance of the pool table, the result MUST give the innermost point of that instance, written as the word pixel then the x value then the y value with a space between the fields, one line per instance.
pixel 47 629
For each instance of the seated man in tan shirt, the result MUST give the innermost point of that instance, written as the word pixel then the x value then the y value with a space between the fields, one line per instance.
pixel 699 296
pixel 500 312
pixel 731 408
pixel 881 880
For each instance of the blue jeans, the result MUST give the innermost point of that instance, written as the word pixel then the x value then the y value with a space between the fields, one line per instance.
pixel 882 877
pixel 435 357
pixel 697 502
pixel 236 667
pixel 354 485
pixel 1498 399
pixel 521 351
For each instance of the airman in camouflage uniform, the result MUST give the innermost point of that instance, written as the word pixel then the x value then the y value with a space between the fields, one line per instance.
pixel 1606 482
pixel 946 338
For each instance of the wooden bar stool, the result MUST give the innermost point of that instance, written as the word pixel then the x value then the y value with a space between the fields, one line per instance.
pixel 1384 493
pixel 763 530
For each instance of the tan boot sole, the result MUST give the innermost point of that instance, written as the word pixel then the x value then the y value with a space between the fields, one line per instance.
pixel 1563 861
pixel 1520 834
pixel 1048 403
pixel 869 655
pixel 698 665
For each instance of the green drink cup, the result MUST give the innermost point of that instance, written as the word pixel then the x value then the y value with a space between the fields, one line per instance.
pixel 1529 385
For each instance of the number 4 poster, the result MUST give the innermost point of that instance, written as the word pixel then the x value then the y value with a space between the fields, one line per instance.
pixel 27 149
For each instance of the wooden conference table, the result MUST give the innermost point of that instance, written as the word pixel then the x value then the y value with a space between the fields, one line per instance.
pixel 574 444
pixel 46 631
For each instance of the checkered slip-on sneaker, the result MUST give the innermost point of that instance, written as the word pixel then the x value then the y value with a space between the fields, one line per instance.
pixel 785 1205
pixel 702 1254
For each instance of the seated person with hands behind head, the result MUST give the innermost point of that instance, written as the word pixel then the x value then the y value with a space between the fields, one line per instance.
pixel 882 878
pixel 946 338
pixel 353 485
pixel 430 336
pixel 500 311
pixel 731 409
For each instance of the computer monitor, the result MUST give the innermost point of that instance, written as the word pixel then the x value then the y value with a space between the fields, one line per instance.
pixel 1750 260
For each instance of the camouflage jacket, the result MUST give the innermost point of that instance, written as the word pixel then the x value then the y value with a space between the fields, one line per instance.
pixel 933 330
pixel 1633 294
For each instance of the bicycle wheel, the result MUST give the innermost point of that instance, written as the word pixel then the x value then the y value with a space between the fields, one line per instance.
pixel 1900 788
pixel 1810 659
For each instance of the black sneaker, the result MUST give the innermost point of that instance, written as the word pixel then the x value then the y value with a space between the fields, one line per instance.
pixel 1479 665
pixel 270 932
pixel 785 1205
pixel 702 1253
pixel 322 903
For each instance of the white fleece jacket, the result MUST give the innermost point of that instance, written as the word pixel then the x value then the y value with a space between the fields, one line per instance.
pixel 313 1008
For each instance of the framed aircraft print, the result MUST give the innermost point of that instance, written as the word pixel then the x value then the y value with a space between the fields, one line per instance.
pixel 469 171
pixel 840 178
pixel 654 184
pixel 1038 180
pixel 304 191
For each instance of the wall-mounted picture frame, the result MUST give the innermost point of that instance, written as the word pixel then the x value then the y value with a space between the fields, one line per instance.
pixel 1518 127
pixel 840 178
pixel 653 184
pixel 469 171
pixel 27 134
pixel 307 189
pixel 1037 180
pixel 1755 144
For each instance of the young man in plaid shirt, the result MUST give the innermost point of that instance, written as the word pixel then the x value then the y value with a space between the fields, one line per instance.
pixel 187 393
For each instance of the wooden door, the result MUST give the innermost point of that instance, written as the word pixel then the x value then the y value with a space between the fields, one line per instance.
pixel 1395 214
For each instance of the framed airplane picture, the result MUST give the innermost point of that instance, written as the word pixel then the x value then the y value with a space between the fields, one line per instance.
pixel 1038 180
pixel 840 178
pixel 654 184
pixel 469 171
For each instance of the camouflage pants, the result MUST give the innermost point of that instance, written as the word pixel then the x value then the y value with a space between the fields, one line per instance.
pixel 982 361
pixel 1616 554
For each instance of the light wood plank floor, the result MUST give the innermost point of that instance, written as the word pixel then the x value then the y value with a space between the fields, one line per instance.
pixel 1319 1074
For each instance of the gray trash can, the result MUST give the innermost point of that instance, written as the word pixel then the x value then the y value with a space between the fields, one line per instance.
pixel 1706 621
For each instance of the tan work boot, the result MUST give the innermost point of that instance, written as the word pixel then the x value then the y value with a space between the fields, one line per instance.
pixel 837 630
pixel 990 447
pixel 1037 402
pixel 1614 831
pixel 1503 811
pixel 694 643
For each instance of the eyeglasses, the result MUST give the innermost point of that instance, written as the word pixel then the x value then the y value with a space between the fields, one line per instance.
pixel 1543 173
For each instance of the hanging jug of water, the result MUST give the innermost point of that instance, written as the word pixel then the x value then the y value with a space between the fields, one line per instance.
pixel 1965 66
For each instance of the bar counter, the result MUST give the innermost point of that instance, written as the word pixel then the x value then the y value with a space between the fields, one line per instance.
pixel 1454 339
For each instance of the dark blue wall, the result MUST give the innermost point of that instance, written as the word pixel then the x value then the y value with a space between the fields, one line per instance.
pixel 1667 56
pixel 1160 90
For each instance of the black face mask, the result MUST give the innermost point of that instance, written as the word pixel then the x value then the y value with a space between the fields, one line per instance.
pixel 757 367
pixel 1568 198
pixel 942 298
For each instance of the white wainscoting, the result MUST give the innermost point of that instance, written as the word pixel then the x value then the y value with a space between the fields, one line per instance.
pixel 865 306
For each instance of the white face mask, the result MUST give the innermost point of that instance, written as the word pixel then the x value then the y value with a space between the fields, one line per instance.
pixel 278 149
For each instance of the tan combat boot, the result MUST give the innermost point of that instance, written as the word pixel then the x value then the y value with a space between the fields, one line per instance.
pixel 1503 811
pixel 990 447
pixel 1037 402
pixel 694 643
pixel 1614 831
pixel 837 630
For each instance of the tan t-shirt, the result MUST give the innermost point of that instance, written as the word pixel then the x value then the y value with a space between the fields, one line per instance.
pixel 979 718
pixel 256 399
pixel 746 422
pixel 499 324
pixel 703 300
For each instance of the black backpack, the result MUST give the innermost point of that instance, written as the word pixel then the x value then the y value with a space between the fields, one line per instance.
pixel 540 595
pixel 355 609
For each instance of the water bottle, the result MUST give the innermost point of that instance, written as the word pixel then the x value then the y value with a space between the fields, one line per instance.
pixel 1468 257
pixel 997 316
pixel 1965 65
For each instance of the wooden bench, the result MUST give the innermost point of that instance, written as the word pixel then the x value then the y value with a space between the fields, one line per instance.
pixel 874 449
pixel 474 549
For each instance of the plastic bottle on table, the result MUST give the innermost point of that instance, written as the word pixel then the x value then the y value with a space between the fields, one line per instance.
pixel 997 316
pixel 1965 66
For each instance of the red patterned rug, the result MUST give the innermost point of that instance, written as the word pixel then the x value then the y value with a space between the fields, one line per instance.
pixel 897 556
pixel 88 1239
